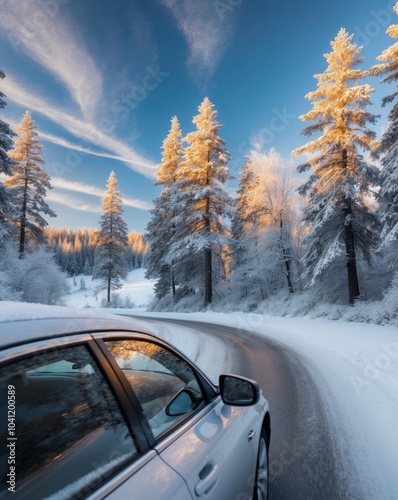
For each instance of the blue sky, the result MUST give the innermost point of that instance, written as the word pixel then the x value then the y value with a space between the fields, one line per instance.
pixel 102 80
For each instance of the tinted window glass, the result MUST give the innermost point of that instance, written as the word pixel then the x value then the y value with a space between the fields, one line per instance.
pixel 165 384
pixel 68 434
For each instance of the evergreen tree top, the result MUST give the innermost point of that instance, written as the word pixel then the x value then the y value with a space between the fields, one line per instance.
pixel 206 155
pixel 206 120
pixel 27 145
pixel 112 200
pixel 172 155
pixel 339 102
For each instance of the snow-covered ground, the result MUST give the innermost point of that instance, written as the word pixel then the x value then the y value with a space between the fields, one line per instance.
pixel 137 290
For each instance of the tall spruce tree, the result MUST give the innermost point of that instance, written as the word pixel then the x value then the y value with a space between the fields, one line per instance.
pixel 7 210
pixel 341 222
pixel 161 228
pixel 388 194
pixel 110 262
pixel 29 183
pixel 202 204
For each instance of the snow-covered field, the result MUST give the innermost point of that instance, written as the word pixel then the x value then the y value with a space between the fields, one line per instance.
pixel 137 290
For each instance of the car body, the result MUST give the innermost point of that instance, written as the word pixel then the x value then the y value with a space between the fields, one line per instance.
pixel 102 407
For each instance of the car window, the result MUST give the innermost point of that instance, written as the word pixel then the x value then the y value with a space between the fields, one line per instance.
pixel 164 383
pixel 65 433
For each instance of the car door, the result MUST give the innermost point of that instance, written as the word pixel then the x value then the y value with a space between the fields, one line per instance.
pixel 205 441
pixel 216 455
pixel 66 435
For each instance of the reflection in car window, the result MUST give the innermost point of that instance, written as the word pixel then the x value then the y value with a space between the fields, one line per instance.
pixel 157 376
pixel 70 434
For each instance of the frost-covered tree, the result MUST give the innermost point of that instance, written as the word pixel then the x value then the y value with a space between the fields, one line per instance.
pixel 339 186
pixel 203 205
pixel 161 228
pixel 7 211
pixel 266 227
pixel 388 194
pixel 35 278
pixel 29 183
pixel 110 262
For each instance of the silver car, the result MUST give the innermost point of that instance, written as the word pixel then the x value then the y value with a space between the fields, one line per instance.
pixel 94 408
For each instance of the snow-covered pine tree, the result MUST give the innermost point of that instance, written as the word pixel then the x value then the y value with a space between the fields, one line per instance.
pixel 341 222
pixel 247 183
pixel 202 204
pixel 388 194
pixel 265 227
pixel 110 262
pixel 7 210
pixel 161 226
pixel 86 267
pixel 29 183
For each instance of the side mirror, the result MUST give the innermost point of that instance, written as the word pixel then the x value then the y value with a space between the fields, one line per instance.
pixel 181 404
pixel 239 391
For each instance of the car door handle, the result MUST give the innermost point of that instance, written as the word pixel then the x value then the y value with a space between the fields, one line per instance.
pixel 208 476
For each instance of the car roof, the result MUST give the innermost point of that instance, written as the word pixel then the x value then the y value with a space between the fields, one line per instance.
pixel 22 323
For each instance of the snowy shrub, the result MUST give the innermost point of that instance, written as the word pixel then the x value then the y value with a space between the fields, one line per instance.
pixel 192 303
pixel 118 302
pixel 34 278
pixel 6 291
pixel 128 303
pixel 383 312
pixel 113 303
pixel 163 304
pixel 188 303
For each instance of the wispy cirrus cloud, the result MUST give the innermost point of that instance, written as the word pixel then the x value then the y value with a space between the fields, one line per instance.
pixel 40 31
pixel 80 187
pixel 208 35
pixel 72 202
pixel 60 184
pixel 60 141
pixel 81 129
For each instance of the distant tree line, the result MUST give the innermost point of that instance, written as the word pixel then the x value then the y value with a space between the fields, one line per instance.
pixel 74 250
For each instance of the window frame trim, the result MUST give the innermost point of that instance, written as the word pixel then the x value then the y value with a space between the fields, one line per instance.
pixel 155 442
pixel 130 406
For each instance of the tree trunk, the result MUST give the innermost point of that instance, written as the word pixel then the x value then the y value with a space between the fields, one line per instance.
pixel 287 265
pixel 109 290
pixel 173 282
pixel 286 260
pixel 349 239
pixel 208 280
pixel 22 234
pixel 353 285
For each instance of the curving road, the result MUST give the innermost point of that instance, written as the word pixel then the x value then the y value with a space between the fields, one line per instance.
pixel 307 456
